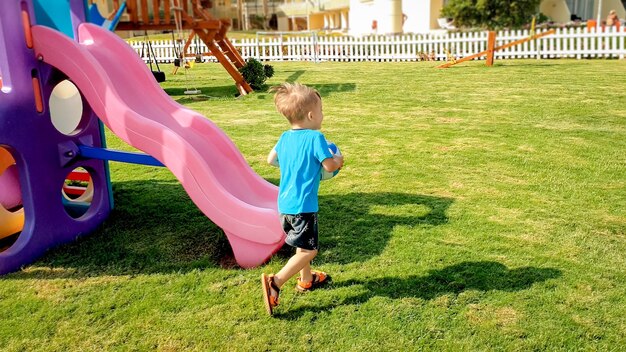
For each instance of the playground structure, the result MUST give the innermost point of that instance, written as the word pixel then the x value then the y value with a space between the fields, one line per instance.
pixel 61 81
pixel 109 22
pixel 492 48
pixel 180 15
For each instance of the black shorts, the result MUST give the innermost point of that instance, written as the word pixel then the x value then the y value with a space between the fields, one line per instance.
pixel 301 230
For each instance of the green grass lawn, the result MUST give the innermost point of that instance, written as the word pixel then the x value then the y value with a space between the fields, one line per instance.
pixel 479 209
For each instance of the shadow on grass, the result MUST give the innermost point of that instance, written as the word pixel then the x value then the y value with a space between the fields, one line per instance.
pixel 156 228
pixel 355 227
pixel 207 93
pixel 498 65
pixel 294 76
pixel 325 90
pixel 230 92
pixel 482 276
pixel 329 89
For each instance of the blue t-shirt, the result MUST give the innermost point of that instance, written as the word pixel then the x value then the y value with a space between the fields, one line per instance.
pixel 300 155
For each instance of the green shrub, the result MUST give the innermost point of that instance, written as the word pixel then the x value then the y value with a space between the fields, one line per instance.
pixel 255 73
pixel 269 71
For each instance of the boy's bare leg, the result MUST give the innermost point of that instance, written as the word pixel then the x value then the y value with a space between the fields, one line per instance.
pixel 298 262
pixel 305 273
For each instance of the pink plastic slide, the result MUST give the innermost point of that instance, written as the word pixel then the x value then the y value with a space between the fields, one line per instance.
pixel 123 93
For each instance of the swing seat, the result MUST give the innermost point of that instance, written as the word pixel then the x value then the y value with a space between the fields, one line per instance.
pixel 159 76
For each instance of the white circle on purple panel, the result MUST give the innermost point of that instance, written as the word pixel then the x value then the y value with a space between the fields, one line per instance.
pixel 66 108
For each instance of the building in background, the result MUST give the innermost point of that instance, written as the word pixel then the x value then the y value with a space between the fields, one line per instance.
pixel 365 17
pixel 421 16
pixel 393 16
pixel 328 15
pixel 563 11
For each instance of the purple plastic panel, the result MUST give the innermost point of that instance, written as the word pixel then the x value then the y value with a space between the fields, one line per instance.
pixel 39 149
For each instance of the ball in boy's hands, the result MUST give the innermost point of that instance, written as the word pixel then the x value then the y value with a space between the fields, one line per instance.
pixel 334 150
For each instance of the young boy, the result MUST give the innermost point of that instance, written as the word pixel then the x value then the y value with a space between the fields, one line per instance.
pixel 301 152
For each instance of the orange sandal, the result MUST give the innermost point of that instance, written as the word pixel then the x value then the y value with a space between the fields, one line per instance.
pixel 319 279
pixel 270 292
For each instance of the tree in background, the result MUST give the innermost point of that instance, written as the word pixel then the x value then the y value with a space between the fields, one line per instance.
pixel 491 14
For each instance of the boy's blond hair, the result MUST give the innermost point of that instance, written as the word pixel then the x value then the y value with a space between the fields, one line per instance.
pixel 295 100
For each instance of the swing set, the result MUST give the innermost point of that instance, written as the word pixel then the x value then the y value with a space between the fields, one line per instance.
pixel 182 15
pixel 181 58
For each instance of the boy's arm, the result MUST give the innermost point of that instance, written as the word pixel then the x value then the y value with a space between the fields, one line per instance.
pixel 272 158
pixel 333 164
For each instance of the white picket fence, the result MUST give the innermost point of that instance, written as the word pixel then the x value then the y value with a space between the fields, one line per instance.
pixel 566 43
